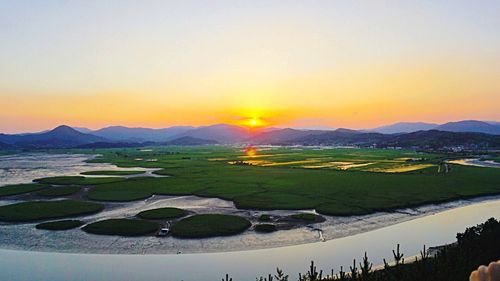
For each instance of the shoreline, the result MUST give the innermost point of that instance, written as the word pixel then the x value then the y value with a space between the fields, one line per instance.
pixel 332 229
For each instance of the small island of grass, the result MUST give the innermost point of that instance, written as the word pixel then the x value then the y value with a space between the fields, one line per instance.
pixel 264 218
pixel 43 210
pixel 265 228
pixel 16 189
pixel 122 227
pixel 307 217
pixel 209 225
pixel 162 213
pixel 59 225
pixel 112 173
pixel 59 191
pixel 77 180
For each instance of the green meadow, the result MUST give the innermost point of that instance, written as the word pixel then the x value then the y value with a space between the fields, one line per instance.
pixel 367 180
pixel 340 182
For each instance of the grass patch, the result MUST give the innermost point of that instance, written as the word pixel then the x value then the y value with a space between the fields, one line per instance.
pixel 77 180
pixel 209 225
pixel 59 191
pixel 304 217
pixel 43 210
pixel 112 173
pixel 122 227
pixel 330 191
pixel 60 225
pixel 265 227
pixel 16 189
pixel 162 213
pixel 264 218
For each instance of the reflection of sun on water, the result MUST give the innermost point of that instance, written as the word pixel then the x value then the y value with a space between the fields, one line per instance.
pixel 251 151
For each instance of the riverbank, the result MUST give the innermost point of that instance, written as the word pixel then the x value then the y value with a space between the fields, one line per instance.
pixel 247 265
pixel 27 237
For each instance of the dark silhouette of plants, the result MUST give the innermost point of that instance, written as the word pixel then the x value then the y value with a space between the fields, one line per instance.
pixel 477 245
pixel 365 267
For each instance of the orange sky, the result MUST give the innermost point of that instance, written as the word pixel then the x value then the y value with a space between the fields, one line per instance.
pixel 293 64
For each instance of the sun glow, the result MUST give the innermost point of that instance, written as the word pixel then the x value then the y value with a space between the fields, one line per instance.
pixel 253 122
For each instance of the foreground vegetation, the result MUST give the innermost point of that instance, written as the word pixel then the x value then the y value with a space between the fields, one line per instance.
pixel 209 225
pixel 477 246
pixel 43 210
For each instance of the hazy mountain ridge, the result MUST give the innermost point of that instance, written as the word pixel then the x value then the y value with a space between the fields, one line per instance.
pixel 138 134
pixel 470 126
pixel 404 127
pixel 449 134
pixel 475 126
pixel 62 136
pixel 190 141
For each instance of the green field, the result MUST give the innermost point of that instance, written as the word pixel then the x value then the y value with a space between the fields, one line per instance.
pixel 43 210
pixel 393 179
pixel 209 225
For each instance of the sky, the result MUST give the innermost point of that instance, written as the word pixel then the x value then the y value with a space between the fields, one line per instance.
pixel 354 64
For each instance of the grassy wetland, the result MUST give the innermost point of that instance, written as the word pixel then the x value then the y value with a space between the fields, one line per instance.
pixel 331 181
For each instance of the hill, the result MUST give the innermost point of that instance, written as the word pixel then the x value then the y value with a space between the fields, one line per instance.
pixel 222 133
pixel 127 134
pixel 281 136
pixel 470 126
pixel 60 137
pixel 439 139
pixel 404 127
pixel 189 141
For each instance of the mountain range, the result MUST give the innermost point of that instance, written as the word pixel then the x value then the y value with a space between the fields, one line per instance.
pixel 469 133
pixel 473 126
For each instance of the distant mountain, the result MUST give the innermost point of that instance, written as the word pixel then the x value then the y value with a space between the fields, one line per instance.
pixel 127 134
pixel 404 127
pixel 439 139
pixel 470 126
pixel 189 141
pixel 60 137
pixel 102 144
pixel 222 133
pixel 431 139
pixel 5 146
pixel 340 137
pixel 281 136
pixel 82 130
